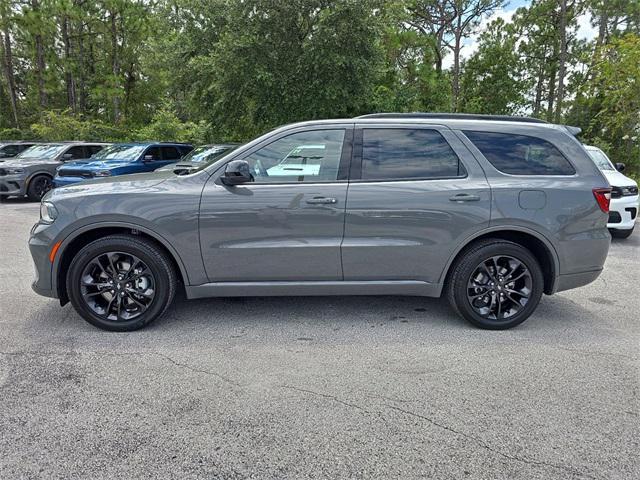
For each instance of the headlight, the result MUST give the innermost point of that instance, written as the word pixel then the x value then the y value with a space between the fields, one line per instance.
pixel 14 171
pixel 103 173
pixel 48 212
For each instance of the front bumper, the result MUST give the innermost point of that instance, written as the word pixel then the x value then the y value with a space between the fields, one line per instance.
pixel 40 244
pixel 64 181
pixel 623 212
pixel 13 185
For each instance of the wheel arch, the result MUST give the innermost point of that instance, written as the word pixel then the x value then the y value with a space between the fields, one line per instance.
pixel 539 246
pixel 85 235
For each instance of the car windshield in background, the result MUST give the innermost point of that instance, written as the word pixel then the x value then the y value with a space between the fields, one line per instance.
pixel 42 151
pixel 206 155
pixel 119 152
pixel 600 159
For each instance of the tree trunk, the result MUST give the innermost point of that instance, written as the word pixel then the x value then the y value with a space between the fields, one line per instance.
pixel 562 67
pixel 456 70
pixel 40 63
pixel 68 75
pixel 537 103
pixel 551 94
pixel 7 64
pixel 115 66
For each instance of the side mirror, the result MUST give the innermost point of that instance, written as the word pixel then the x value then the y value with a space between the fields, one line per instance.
pixel 67 156
pixel 237 173
pixel 620 167
pixel 148 158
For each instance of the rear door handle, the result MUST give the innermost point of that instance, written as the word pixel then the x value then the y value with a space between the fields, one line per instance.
pixel 465 197
pixel 321 201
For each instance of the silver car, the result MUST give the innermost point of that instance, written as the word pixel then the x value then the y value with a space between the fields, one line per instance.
pixel 31 172
pixel 491 212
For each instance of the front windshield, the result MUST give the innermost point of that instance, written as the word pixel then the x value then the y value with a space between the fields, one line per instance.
pixel 206 154
pixel 600 159
pixel 42 151
pixel 119 152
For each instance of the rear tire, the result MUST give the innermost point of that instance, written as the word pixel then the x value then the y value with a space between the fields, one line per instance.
pixel 38 186
pixel 121 283
pixel 495 284
pixel 619 233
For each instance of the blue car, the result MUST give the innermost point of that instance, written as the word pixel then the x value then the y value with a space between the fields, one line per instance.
pixel 121 159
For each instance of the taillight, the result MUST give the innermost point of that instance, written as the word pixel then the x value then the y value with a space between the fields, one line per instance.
pixel 603 197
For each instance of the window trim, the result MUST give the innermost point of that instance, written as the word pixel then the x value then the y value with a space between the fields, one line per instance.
pixel 343 164
pixel 528 175
pixel 358 158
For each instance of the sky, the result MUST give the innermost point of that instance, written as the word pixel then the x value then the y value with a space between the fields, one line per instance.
pixel 585 30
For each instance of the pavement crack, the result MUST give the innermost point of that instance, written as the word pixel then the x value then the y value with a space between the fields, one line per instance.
pixel 488 447
pixel 194 369
pixel 325 395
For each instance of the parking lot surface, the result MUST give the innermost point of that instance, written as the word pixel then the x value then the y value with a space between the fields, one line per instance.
pixel 354 387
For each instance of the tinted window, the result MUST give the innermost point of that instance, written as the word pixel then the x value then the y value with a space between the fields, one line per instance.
pixel 312 156
pixel 170 153
pixel 393 154
pixel 521 154
pixel 75 152
pixel 93 149
pixel 12 149
pixel 153 152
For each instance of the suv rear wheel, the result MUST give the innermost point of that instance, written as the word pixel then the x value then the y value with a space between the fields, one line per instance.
pixel 121 283
pixel 496 284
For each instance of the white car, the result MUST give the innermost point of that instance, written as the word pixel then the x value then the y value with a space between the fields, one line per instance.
pixel 624 195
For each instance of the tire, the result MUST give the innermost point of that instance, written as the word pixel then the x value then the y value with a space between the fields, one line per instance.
pixel 469 279
pixel 619 233
pixel 144 276
pixel 38 186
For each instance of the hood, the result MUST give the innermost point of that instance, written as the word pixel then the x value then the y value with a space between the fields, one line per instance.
pixel 27 162
pixel 89 164
pixel 617 179
pixel 121 184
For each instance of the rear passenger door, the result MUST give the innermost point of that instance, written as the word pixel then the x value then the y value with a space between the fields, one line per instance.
pixel 415 193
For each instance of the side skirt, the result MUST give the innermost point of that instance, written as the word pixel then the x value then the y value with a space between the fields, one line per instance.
pixel 286 289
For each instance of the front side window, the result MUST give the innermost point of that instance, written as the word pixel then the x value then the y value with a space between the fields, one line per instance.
pixel 74 153
pixel 520 154
pixel 170 153
pixel 312 156
pixel 404 154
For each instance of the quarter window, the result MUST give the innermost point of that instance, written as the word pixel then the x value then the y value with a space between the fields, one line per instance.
pixel 403 153
pixel 312 156
pixel 520 154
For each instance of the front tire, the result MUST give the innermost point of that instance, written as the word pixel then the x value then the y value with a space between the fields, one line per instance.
pixel 618 233
pixel 121 283
pixel 496 284
pixel 38 186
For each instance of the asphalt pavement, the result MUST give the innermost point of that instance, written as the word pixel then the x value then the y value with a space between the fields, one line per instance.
pixel 353 387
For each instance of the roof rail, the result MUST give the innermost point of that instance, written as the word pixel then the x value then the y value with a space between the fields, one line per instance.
pixel 454 116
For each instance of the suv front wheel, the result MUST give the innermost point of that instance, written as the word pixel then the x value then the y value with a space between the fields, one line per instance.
pixel 121 283
pixel 496 284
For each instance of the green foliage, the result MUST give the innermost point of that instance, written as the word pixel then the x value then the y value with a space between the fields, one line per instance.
pixel 58 126
pixel 166 126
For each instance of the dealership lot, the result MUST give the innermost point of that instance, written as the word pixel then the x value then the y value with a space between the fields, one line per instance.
pixel 354 387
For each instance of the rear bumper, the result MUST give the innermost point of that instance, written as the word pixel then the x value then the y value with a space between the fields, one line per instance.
pixel 623 212
pixel 575 280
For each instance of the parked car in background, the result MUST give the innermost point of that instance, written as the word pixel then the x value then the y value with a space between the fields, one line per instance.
pixel 31 172
pixel 11 149
pixel 121 159
pixel 198 157
pixel 623 209
pixel 490 211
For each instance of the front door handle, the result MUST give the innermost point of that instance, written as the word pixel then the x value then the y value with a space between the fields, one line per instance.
pixel 321 201
pixel 465 197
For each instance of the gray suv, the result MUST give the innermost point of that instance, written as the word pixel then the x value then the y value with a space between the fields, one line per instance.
pixel 490 211
pixel 31 172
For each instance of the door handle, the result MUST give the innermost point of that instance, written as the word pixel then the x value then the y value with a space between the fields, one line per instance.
pixel 321 201
pixel 465 197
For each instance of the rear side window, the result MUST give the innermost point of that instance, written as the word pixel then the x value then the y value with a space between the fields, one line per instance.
pixel 520 154
pixel 404 153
